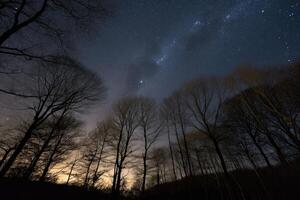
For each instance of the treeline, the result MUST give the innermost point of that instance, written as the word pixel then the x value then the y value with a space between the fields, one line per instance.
pixel 210 126
pixel 246 120
pixel 47 87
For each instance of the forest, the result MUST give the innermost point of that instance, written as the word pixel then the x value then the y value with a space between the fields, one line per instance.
pixel 229 136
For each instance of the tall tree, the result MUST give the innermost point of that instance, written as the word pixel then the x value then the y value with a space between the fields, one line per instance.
pixel 165 116
pixel 205 98
pixel 126 120
pixel 174 107
pixel 53 90
pixel 94 151
pixel 150 127
pixel 259 103
pixel 62 145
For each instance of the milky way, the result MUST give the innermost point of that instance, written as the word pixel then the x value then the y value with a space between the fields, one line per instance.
pixel 152 47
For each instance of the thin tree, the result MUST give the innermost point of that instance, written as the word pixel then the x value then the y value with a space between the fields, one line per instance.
pixel 94 153
pixel 125 122
pixel 165 117
pixel 54 128
pixel 73 164
pixel 243 124
pixel 62 144
pixel 150 127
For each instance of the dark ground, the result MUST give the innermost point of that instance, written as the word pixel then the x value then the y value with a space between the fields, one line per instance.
pixel 279 183
pixel 14 189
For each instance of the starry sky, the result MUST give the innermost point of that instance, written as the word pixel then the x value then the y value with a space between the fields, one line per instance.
pixel 151 47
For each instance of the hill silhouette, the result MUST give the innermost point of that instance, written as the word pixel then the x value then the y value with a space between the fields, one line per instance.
pixel 245 184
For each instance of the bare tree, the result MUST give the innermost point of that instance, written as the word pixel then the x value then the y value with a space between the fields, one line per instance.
pixel 159 164
pixel 64 127
pixel 198 150
pixel 47 20
pixel 150 127
pixel 33 30
pixel 56 89
pixel 126 121
pixel 205 98
pixel 7 145
pixel 53 129
pixel 241 122
pixel 178 117
pixel 260 104
pixel 73 164
pixel 95 152
pixel 165 117
pixel 62 145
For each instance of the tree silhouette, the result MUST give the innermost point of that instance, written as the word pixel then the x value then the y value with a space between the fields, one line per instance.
pixel 56 90
pixel 150 127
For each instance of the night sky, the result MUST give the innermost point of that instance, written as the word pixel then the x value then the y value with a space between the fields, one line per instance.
pixel 151 47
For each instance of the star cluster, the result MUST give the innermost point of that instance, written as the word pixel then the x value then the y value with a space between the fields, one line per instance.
pixel 151 47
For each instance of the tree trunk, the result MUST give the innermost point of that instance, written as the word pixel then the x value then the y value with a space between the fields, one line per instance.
pixel 144 171
pixel 17 151
pixel 86 179
pixel 116 167
pixel 116 171
pixel 36 158
pixel 119 177
pixel 95 177
pixel 266 132
pixel 251 161
pixel 180 149
pixel 220 155
pixel 18 26
pixel 70 173
pixel 278 151
pixel 187 154
pixel 199 162
pixel 32 165
pixel 5 156
pixel 171 152
pixel 157 175
pixel 47 167
pixel 261 151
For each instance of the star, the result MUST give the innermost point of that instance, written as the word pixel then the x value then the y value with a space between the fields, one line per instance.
pixel 161 59
pixel 291 14
pixel 227 18
pixel 197 23
pixel 140 83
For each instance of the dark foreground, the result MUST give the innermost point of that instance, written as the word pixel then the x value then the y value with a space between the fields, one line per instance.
pixel 21 190
pixel 279 183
